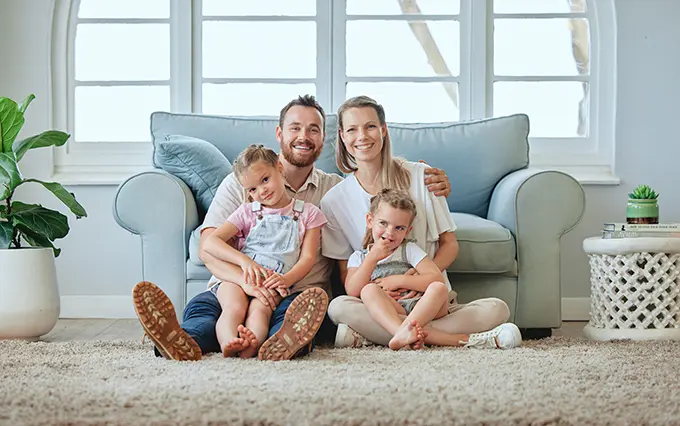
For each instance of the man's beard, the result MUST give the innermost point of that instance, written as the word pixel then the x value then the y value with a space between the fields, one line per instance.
pixel 290 155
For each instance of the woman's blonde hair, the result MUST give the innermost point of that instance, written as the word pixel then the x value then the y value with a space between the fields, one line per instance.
pixel 394 198
pixel 251 155
pixel 392 172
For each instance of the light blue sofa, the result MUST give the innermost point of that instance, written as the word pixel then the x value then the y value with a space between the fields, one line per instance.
pixel 510 218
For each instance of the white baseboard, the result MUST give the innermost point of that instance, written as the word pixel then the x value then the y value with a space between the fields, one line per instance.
pixel 575 309
pixel 97 307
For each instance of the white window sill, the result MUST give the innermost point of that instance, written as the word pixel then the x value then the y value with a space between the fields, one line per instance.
pixel 587 175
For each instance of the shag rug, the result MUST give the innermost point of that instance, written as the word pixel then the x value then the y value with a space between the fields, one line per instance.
pixel 553 381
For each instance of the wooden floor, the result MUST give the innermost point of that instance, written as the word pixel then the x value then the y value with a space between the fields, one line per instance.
pixel 130 329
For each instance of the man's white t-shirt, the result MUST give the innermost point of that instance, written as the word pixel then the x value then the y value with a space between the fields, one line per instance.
pixel 347 203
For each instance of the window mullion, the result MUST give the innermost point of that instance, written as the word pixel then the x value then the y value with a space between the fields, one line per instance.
pixel 338 56
pixel 180 56
pixel 324 53
pixel 479 48
pixel 197 57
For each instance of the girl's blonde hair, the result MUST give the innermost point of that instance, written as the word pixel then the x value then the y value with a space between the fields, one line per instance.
pixel 251 155
pixel 394 198
pixel 392 172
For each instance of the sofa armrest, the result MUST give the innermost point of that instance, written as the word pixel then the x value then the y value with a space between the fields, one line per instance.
pixel 538 207
pixel 161 209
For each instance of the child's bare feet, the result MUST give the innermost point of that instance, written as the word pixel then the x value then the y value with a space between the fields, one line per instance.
pixel 234 346
pixel 408 334
pixel 249 337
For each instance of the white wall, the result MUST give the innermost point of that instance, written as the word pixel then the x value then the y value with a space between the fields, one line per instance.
pixel 101 259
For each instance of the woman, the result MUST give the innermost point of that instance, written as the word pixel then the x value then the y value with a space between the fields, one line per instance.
pixel 364 150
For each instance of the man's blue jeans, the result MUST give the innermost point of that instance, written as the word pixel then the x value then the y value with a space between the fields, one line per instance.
pixel 203 311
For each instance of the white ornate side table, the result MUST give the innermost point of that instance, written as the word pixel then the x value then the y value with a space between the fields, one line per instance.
pixel 634 288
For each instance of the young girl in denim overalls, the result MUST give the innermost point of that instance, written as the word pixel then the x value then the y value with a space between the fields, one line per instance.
pixel 383 268
pixel 278 240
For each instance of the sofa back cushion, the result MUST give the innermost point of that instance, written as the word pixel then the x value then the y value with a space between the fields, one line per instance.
pixel 476 155
pixel 231 134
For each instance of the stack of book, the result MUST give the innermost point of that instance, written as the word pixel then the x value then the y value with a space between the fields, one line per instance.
pixel 638 230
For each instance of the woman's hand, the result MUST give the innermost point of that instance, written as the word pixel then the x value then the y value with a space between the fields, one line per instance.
pixel 253 273
pixel 275 280
pixel 437 181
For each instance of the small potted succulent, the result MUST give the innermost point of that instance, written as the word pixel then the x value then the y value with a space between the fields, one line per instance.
pixel 642 205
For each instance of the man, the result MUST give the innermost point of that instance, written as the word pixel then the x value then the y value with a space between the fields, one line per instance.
pixel 301 134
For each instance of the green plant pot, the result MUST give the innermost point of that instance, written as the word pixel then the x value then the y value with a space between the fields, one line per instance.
pixel 642 211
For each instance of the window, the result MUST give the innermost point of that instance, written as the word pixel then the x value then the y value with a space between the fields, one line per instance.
pixel 116 61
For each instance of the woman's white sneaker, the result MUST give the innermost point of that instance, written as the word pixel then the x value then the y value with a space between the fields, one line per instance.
pixel 346 337
pixel 505 336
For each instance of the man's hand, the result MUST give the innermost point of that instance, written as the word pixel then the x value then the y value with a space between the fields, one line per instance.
pixel 437 181
pixel 267 296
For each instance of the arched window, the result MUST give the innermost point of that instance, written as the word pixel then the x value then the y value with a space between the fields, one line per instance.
pixel 116 61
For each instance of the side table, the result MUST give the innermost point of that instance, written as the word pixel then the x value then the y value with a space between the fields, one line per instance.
pixel 634 288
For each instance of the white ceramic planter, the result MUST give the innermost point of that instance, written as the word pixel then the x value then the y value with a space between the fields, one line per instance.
pixel 29 295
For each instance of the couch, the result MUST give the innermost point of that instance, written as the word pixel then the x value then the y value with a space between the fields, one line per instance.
pixel 510 217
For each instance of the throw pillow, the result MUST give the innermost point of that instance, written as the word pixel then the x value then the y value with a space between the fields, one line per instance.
pixel 197 162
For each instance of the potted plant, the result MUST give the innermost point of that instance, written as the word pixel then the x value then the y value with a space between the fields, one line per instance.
pixel 29 305
pixel 643 206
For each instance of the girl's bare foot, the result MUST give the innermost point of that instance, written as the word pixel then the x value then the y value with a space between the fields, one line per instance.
pixel 408 334
pixel 234 346
pixel 248 336
pixel 420 343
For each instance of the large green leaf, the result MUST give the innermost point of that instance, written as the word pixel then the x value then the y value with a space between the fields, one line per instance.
pixel 48 138
pixel 10 177
pixel 3 211
pixel 6 230
pixel 26 103
pixel 11 121
pixel 37 240
pixel 41 221
pixel 66 197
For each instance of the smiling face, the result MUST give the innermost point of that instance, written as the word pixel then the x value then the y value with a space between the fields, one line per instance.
pixel 265 184
pixel 301 136
pixel 362 134
pixel 389 224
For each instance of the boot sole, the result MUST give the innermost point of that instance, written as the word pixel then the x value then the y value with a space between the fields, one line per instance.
pixel 300 324
pixel 157 316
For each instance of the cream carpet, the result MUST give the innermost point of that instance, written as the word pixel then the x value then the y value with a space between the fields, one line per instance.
pixel 553 381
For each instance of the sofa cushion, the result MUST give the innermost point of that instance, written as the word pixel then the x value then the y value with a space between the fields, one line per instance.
pixel 197 162
pixel 232 134
pixel 474 154
pixel 485 246
pixel 197 272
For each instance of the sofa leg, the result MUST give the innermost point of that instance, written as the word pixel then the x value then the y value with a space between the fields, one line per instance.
pixel 535 333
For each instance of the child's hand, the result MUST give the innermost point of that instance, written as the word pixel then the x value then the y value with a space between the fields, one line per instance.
pixel 254 274
pixel 379 250
pixel 275 280
pixel 391 283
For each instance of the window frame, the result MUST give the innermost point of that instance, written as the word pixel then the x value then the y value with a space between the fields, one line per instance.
pixel 589 159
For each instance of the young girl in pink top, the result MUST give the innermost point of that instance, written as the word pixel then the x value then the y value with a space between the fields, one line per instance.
pixel 278 239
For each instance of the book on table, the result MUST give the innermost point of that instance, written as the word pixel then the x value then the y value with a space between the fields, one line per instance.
pixel 639 230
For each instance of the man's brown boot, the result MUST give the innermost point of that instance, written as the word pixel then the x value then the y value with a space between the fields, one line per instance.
pixel 300 324
pixel 157 315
